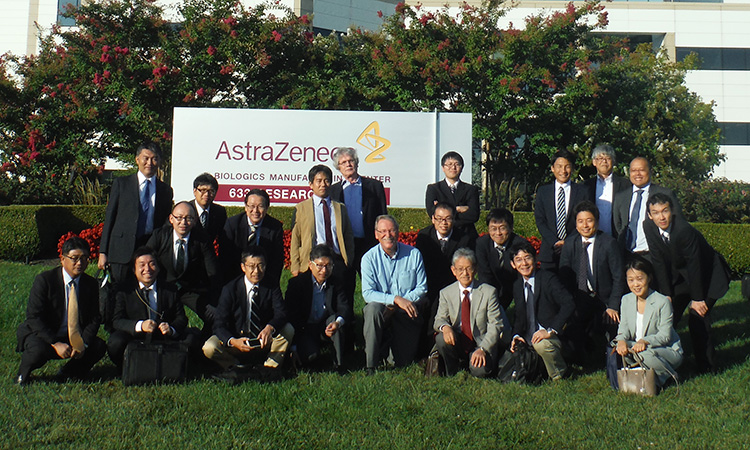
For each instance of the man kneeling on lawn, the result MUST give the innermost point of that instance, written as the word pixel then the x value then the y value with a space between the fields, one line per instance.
pixel 543 306
pixel 250 320
pixel 62 317
pixel 468 320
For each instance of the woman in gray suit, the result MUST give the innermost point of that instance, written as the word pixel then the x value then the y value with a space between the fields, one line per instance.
pixel 646 324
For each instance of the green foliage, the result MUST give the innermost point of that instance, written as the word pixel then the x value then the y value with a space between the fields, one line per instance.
pixel 715 201
pixel 112 82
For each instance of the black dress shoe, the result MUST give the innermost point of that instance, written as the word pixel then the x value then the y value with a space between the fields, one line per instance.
pixel 21 380
pixel 228 376
pixel 370 371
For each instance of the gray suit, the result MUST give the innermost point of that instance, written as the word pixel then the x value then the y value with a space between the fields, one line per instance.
pixel 664 351
pixel 488 321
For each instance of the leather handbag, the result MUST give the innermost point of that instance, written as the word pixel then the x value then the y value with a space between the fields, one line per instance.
pixel 636 379
pixel 150 362
pixel 434 366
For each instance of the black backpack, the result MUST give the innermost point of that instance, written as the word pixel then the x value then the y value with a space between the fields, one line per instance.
pixel 522 366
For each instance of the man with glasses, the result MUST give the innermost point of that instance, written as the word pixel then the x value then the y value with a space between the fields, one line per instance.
pixel 464 197
pixel 253 227
pixel 393 286
pixel 251 323
pixel 187 259
pixel 317 308
pixel 62 317
pixel 605 185
pixel 211 216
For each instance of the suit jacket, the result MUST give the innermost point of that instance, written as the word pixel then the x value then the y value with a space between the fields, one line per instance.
pixel 217 217
pixel 608 267
pixel 129 309
pixel 303 234
pixel 486 321
pixel 121 220
pixel 231 313
pixel 657 320
pixel 45 311
pixel 621 210
pixel 270 238
pixel 545 213
pixel 437 262
pixel 201 273
pixel 299 300
pixel 489 270
pixel 687 264
pixel 466 195
pixel 373 204
pixel 619 184
pixel 553 303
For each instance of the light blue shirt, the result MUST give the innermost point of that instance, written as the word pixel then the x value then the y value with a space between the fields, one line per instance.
pixel 320 227
pixel 383 277
pixel 353 202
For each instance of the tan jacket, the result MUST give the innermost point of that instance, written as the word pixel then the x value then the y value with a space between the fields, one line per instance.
pixel 303 234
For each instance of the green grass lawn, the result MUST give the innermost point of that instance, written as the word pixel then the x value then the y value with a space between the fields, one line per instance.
pixel 398 408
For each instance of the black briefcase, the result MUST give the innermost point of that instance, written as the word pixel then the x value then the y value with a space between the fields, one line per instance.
pixel 151 362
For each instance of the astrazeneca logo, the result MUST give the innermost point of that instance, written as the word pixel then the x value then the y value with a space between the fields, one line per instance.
pixel 371 139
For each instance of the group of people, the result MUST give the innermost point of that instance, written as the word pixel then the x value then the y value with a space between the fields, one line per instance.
pixel 448 294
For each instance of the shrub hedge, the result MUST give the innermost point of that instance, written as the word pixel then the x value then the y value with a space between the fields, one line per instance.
pixel 32 231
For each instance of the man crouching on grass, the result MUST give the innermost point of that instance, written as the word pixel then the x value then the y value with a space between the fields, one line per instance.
pixel 543 305
pixel 250 321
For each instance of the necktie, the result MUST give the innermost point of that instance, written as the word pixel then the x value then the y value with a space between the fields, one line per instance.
pixel 252 316
pixel 466 322
pixel 665 236
pixel 251 236
pixel 145 207
pixel 500 251
pixel 530 313
pixel 151 305
pixel 583 268
pixel 327 223
pixel 204 218
pixel 453 189
pixel 179 265
pixel 443 243
pixel 634 218
pixel 74 328
pixel 561 213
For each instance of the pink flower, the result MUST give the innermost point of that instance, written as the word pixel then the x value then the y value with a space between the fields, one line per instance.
pixel 106 74
pixel 233 33
pixel 304 19
pixel 105 48
pixel 380 14
pixel 105 58
pixel 211 50
pixel 98 79
pixel 276 35
pixel 200 93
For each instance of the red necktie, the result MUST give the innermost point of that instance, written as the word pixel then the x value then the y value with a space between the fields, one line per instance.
pixel 466 319
pixel 327 223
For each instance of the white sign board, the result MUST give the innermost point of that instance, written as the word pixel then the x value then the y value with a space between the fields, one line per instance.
pixel 274 150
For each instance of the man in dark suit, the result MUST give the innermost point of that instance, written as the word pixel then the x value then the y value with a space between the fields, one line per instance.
pixel 317 308
pixel 464 197
pixel 605 185
pixel 493 254
pixel 364 199
pixel 543 307
pixel 62 317
pixel 592 267
pixel 186 259
pixel 138 204
pixel 253 227
pixel 211 216
pixel 553 209
pixel 688 270
pixel 148 307
pixel 469 320
pixel 629 211
pixel 251 322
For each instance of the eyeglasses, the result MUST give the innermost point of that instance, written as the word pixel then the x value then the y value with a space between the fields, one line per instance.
pixel 254 267
pixel 78 259
pixel 602 158
pixel 323 266
pixel 437 219
pixel 187 219
pixel 452 165
pixel 208 191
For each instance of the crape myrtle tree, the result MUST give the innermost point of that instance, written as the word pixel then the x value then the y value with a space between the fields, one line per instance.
pixel 101 88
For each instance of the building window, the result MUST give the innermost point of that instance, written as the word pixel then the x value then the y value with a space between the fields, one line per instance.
pixel 62 7
pixel 735 133
pixel 717 58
